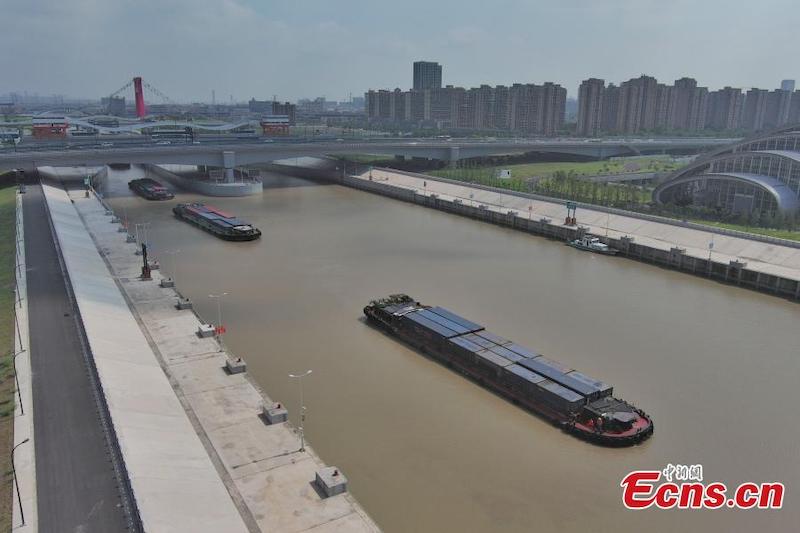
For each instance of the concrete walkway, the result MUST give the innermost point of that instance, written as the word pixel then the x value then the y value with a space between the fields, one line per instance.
pixel 175 484
pixel 772 259
pixel 267 476
pixel 76 484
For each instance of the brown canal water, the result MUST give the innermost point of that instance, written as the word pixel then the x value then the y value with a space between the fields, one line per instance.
pixel 717 367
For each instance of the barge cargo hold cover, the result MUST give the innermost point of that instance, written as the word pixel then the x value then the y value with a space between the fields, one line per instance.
pixel 150 189
pixel 581 405
pixel 220 223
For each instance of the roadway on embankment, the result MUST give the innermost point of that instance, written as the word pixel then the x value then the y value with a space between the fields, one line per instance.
pixel 76 487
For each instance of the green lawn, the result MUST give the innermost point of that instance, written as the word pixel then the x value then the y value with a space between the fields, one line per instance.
pixel 777 233
pixel 7 390
pixel 543 170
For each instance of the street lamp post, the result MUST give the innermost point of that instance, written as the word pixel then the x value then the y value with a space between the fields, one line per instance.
pixel 16 481
pixel 172 265
pixel 219 311
pixel 16 381
pixel 301 429
pixel 16 321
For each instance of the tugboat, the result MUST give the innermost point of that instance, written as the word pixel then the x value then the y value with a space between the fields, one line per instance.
pixel 150 189
pixel 222 224
pixel 590 243
pixel 578 404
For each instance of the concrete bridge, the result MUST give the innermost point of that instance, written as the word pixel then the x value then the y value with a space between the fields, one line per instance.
pixel 231 155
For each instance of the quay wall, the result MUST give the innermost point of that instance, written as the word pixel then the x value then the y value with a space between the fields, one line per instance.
pixel 734 272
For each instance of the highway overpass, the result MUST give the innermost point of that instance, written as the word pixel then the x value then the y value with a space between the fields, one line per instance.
pixel 230 155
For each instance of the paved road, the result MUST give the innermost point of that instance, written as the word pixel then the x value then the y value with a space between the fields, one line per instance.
pixel 76 487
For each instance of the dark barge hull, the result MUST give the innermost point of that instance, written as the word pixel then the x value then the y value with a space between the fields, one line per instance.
pixel 141 188
pixel 216 231
pixel 567 419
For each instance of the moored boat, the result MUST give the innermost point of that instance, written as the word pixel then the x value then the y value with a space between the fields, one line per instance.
pixel 223 225
pixel 579 404
pixel 590 243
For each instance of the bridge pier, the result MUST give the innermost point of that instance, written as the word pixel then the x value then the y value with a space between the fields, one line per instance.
pixel 229 163
pixel 453 156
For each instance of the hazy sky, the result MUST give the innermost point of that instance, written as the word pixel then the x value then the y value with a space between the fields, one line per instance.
pixel 306 48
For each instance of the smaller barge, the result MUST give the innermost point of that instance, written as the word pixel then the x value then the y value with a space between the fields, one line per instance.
pixel 222 224
pixel 579 404
pixel 150 189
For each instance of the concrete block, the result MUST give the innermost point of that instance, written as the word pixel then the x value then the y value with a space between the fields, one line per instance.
pixel 275 413
pixel 331 481
pixel 236 366
pixel 205 331
pixel 167 283
pixel 130 238
pixel 155 265
pixel 122 229
pixel 115 220
pixel 184 303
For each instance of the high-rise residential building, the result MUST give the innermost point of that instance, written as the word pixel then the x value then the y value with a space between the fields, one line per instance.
pixel 664 105
pixel 501 113
pixel 698 110
pixel 590 107
pixel 787 85
pixel 378 104
pixel 427 75
pixel 755 109
pixel 778 108
pixel 794 108
pixel 725 109
pixel 553 109
pixel 638 105
pixel 611 98
pixel 683 94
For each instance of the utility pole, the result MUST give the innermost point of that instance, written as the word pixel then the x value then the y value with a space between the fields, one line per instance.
pixel 220 329
pixel 16 481
pixel 301 428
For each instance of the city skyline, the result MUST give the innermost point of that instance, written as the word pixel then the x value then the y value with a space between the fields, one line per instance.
pixel 258 51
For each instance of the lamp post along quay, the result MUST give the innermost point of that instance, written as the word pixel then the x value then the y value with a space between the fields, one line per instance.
pixel 16 481
pixel 220 329
pixel 16 380
pixel 301 428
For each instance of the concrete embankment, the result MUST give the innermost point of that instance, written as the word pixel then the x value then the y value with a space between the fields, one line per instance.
pixel 762 264
pixel 269 479
pixel 174 483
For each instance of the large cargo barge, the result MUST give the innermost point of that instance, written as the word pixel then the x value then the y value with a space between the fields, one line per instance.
pixel 222 224
pixel 150 189
pixel 579 404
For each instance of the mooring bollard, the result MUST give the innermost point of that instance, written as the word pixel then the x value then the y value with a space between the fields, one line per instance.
pixel 331 481
pixel 275 413
pixel 236 365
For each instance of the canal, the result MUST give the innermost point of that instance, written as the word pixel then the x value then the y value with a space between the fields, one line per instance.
pixel 426 450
